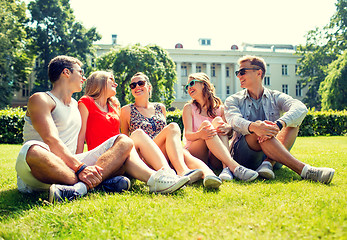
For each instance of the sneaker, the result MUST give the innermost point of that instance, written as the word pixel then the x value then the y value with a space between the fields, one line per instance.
pixel 245 174
pixel 265 170
pixel 164 182
pixel 211 181
pixel 323 175
pixel 115 184
pixel 59 193
pixel 194 175
pixel 226 175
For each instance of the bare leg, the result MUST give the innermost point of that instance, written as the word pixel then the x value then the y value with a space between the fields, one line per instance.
pixel 135 167
pixel 195 163
pixel 169 141
pixel 147 149
pixel 274 149
pixel 48 168
pixel 113 159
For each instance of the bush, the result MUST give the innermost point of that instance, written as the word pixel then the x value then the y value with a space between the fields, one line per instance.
pixel 324 123
pixel 11 125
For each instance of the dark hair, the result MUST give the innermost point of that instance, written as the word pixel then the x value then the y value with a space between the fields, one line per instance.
pixel 58 64
pixel 255 61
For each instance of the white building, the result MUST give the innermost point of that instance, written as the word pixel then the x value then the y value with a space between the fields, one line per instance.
pixel 220 65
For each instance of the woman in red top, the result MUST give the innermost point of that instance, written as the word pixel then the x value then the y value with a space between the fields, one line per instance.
pixel 100 112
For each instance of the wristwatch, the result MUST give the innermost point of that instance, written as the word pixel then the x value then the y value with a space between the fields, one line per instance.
pixel 279 124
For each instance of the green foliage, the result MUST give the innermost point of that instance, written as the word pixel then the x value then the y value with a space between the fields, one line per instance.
pixel 11 125
pixel 15 60
pixel 324 123
pixel 56 32
pixel 323 46
pixel 334 88
pixel 176 117
pixel 152 60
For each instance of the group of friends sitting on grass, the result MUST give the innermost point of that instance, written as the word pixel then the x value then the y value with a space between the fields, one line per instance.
pixel 250 135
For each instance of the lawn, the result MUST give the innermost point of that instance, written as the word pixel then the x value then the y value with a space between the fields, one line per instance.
pixel 284 208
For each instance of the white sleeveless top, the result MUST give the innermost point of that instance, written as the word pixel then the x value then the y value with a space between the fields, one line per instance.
pixel 67 119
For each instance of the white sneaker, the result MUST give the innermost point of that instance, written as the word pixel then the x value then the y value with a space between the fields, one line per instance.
pixel 265 170
pixel 165 182
pixel 226 174
pixel 245 174
pixel 323 175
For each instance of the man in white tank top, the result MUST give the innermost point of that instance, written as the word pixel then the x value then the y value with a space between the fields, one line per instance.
pixel 47 159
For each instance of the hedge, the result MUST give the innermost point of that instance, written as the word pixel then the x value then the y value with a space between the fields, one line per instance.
pixel 327 123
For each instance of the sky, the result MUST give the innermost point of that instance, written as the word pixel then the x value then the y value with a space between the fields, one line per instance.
pixel 225 22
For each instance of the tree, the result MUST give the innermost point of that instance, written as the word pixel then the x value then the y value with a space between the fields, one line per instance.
pixel 15 60
pixel 323 46
pixel 152 60
pixel 56 32
pixel 334 88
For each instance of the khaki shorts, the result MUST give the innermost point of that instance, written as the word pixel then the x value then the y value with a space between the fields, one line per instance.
pixel 27 183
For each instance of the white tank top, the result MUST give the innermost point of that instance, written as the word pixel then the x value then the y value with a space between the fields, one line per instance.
pixel 67 119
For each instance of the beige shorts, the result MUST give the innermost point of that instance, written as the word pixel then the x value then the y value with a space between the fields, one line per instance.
pixel 27 183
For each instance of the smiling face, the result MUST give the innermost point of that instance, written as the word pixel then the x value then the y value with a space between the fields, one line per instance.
pixel 111 86
pixel 252 78
pixel 194 87
pixel 139 90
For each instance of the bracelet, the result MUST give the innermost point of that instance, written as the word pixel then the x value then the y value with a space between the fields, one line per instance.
pixel 279 124
pixel 81 169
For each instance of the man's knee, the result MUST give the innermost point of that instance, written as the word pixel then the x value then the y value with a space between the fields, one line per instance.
pixel 123 141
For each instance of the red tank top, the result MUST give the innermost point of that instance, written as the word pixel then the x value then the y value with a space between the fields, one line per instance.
pixel 100 125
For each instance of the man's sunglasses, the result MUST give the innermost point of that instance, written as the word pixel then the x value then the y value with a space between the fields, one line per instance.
pixel 242 71
pixel 191 84
pixel 140 83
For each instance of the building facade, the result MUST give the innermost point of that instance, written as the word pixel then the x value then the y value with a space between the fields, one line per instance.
pixel 220 66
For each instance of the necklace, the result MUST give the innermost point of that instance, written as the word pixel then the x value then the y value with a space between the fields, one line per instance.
pixel 104 109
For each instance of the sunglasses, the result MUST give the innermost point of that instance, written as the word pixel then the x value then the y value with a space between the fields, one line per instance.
pixel 140 83
pixel 191 84
pixel 242 71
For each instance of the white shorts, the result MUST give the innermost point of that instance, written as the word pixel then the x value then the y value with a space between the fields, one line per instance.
pixel 27 183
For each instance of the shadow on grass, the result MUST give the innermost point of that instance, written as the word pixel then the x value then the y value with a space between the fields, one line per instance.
pixel 12 202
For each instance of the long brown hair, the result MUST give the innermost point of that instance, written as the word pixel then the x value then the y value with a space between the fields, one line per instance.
pixel 212 102
pixel 96 86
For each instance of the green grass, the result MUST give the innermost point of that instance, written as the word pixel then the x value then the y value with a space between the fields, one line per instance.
pixel 285 208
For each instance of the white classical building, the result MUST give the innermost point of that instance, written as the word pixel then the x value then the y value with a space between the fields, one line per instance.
pixel 220 65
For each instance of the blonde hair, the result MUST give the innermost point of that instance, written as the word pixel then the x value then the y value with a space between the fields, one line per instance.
pixel 212 102
pixel 96 86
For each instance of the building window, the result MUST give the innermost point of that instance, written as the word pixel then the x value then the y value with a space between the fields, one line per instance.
pixel 296 69
pixel 298 89
pixel 198 68
pixel 25 91
pixel 285 70
pixel 285 88
pixel 184 71
pixel 268 69
pixel 227 73
pixel 213 71
pixel 228 90
pixel 205 41
pixel 267 81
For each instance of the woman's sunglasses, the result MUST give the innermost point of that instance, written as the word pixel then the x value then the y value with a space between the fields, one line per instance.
pixel 242 71
pixel 191 83
pixel 140 83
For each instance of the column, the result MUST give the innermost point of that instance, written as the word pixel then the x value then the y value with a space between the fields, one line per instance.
pixel 235 79
pixel 208 69
pixel 223 81
pixel 179 85
pixel 193 67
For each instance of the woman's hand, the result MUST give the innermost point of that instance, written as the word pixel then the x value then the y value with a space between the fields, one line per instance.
pixel 224 129
pixel 207 132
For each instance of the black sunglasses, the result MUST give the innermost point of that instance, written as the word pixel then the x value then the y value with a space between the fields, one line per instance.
pixel 242 71
pixel 140 83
